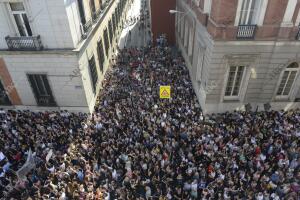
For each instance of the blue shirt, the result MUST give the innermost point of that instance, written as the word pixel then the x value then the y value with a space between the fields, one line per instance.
pixel 80 175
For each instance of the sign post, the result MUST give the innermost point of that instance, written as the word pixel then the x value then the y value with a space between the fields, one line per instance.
pixel 165 92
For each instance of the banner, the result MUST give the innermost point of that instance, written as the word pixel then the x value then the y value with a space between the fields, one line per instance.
pixel 27 167
pixel 49 155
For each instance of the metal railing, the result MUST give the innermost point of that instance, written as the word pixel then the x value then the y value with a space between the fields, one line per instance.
pixel 24 43
pixel 94 16
pixel 246 31
pixel 86 28
pixel 99 13
pixel 45 101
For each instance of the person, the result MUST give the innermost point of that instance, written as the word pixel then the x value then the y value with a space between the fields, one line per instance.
pixel 138 146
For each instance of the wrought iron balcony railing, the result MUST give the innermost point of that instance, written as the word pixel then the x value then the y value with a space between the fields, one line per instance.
pixel 86 28
pixel 246 31
pixel 94 16
pixel 99 13
pixel 32 43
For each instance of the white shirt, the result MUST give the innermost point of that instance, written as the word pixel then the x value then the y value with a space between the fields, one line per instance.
pixel 2 156
pixel 260 197
pixel 187 186
pixel 194 186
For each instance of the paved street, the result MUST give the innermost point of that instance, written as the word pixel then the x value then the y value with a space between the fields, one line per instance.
pixel 136 34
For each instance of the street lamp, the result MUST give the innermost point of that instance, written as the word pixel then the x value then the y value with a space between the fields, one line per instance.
pixel 174 11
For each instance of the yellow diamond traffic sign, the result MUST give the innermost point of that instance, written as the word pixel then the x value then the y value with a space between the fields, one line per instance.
pixel 165 92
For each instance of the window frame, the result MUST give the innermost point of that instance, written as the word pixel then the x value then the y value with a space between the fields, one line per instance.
pixel 93 73
pixel 182 32
pixel 106 42
pixel 93 9
pixel 207 6
pixel 259 16
pixel 101 55
pixel 113 20
pixel 38 96
pixel 246 17
pixel 20 13
pixel 110 31
pixel 186 35
pixel 190 47
pixel 200 62
pixel 81 12
pixel 242 82
pixel 292 88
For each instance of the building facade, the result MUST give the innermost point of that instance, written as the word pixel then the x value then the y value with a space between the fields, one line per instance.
pixel 54 53
pixel 241 52
pixel 161 20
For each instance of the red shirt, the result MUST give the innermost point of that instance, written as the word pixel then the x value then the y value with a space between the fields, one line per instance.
pixel 257 151
pixel 18 156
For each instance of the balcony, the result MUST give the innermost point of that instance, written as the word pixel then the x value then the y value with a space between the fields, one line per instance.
pixel 99 12
pixel 86 28
pixel 246 31
pixel 96 15
pixel 24 43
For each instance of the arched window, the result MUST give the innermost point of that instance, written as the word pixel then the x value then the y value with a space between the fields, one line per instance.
pixel 287 80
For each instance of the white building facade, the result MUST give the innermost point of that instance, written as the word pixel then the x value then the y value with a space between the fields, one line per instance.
pixel 54 53
pixel 241 52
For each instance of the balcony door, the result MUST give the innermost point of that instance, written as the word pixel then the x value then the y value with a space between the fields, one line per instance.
pixel 249 12
pixel 93 9
pixel 41 89
pixel 81 11
pixel 20 17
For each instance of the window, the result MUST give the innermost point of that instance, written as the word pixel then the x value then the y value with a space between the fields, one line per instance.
pixel 190 45
pixel 93 9
pixel 101 4
pixel 200 64
pixel 249 12
pixel 19 14
pixel 207 6
pixel 106 42
pixel 234 81
pixel 110 31
pixel 100 55
pixel 177 22
pixel 119 13
pixel 186 34
pixel 41 89
pixel 287 80
pixel 116 17
pixel 81 11
pixel 4 100
pixel 93 73
pixel 114 23
pixel 182 28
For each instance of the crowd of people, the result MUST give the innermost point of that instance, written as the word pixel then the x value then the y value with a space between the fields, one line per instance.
pixel 138 146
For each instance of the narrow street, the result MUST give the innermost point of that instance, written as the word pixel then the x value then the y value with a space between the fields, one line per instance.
pixel 139 131
pixel 136 32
